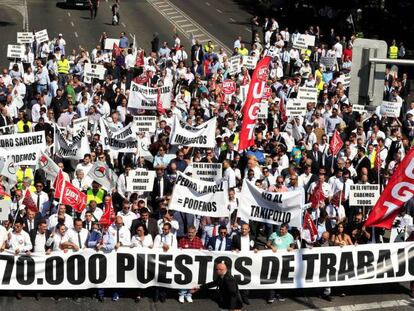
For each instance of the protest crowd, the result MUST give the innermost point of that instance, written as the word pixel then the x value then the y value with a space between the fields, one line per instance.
pixel 116 148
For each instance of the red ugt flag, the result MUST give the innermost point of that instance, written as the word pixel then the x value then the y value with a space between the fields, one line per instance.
pixel 251 106
pixel 336 143
pixel 108 215
pixel 399 190
pixel 310 225
pixel 73 197
pixel 29 203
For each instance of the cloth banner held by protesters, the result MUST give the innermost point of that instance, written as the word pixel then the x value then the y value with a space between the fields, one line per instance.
pixel 200 197
pixel 202 136
pixel 103 175
pixel 73 149
pixel 251 107
pixel 271 207
pixel 144 97
pixel 123 140
pixel 23 148
pixel 143 267
pixel 398 191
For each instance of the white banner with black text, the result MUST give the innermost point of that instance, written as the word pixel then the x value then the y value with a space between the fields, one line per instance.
pixel 202 136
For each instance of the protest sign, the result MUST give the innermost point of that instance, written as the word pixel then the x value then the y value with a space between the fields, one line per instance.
pixel 109 43
pixel 123 140
pixel 72 149
pixel 364 195
pixel 25 37
pixel 327 61
pixel 94 71
pixel 80 123
pixel 390 109
pixel 24 148
pixel 234 65
pixel 263 110
pixel 295 107
pixel 272 51
pixel 145 124
pixel 271 207
pixel 140 180
pixel 212 172
pixel 143 267
pixel 194 196
pixel 42 36
pixel 199 136
pixel 359 108
pixel 249 62
pixel 229 87
pixel 300 44
pixel 15 51
pixel 309 39
pixel 307 94
pixel 144 97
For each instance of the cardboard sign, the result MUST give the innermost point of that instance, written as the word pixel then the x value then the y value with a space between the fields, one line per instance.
pixel 79 124
pixel 140 180
pixel 364 195
pixel 295 107
pixel 94 71
pixel 25 37
pixel 109 43
pixel 308 94
pixel 207 171
pixel 145 124
pixel 263 110
pixel 391 109
pixel 309 39
pixel 345 80
pixel 42 36
pixel 234 65
pixel 300 44
pixel 359 108
pixel 327 61
pixel 249 62
pixel 15 51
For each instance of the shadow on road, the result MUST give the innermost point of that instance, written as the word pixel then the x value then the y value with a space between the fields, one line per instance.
pixel 65 6
pixel 5 24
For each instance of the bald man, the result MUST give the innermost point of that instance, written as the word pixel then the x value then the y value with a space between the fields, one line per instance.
pixel 228 291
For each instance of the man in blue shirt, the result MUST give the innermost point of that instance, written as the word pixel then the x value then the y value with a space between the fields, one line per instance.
pixel 123 41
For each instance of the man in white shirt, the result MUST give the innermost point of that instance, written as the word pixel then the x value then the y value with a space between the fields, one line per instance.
pixel 19 240
pixel 94 209
pixel 60 214
pixel 41 238
pixel 126 214
pixel 166 240
pixel 120 232
pixel 41 199
pixel 229 174
pixel 3 238
pixel 121 186
pixel 86 164
pixel 77 236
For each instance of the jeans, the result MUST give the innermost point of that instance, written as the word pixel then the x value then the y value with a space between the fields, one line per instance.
pixel 184 292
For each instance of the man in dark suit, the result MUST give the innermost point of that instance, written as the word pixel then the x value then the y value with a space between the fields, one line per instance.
pixel 227 294
pixel 316 156
pixel 361 161
pixel 229 154
pixel 244 242
pixel 149 223
pixel 31 220
pixel 4 119
pixel 162 187
pixel 41 238
pixel 197 53
pixel 88 222
pixel 221 242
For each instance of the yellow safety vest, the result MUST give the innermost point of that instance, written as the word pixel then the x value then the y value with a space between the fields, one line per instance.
pixel 63 66
pixel 99 198
pixel 21 124
pixel 243 52
pixel 20 175
pixel 393 52
pixel 208 49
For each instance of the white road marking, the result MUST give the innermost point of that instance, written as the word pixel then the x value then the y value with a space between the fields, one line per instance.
pixel 219 11
pixel 187 25
pixel 174 16
pixel 168 9
pixel 208 4
pixel 247 29
pixel 76 34
pixel 232 20
pixel 163 6
pixel 180 20
pixel 69 14
pixel 123 24
pixel 72 24
pixel 367 306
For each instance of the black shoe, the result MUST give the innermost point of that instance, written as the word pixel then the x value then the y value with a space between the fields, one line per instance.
pixel 77 299
pixel 37 296
pixel 101 298
pixel 19 296
pixel 162 299
pixel 246 300
pixel 138 299
pixel 280 297
pixel 326 297
pixel 155 299
pixel 56 298
pixel 411 294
